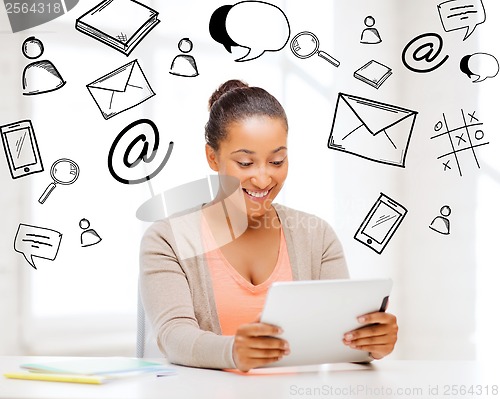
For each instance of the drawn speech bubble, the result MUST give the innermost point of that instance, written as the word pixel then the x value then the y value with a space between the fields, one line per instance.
pixel 255 25
pixel 460 14
pixel 482 65
pixel 38 242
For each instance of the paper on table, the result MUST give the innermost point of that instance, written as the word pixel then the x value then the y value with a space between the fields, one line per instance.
pixel 97 366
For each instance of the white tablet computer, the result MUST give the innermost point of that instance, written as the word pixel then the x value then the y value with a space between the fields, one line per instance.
pixel 315 315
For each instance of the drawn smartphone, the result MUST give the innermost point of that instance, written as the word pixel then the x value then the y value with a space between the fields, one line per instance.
pixel 380 223
pixel 21 149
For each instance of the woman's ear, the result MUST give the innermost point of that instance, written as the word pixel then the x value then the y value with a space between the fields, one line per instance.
pixel 211 158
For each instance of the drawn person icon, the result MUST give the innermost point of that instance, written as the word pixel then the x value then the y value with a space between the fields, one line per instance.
pixel 39 76
pixel 370 34
pixel 441 224
pixel 184 64
pixel 89 236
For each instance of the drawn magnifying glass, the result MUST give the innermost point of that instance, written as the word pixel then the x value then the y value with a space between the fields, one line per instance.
pixel 306 44
pixel 63 171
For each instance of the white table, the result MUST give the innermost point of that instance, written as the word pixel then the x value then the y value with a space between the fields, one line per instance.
pixel 382 379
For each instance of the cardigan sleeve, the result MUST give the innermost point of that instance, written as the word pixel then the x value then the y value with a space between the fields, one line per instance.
pixel 168 300
pixel 333 262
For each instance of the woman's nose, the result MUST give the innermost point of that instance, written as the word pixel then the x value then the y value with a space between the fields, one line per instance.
pixel 262 179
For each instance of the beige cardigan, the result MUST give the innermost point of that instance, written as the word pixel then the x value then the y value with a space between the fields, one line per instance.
pixel 177 293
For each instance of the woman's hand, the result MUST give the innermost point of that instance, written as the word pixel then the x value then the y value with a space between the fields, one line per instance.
pixel 254 345
pixel 378 337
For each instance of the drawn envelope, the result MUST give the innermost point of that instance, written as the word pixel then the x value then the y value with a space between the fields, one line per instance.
pixel 120 90
pixel 371 130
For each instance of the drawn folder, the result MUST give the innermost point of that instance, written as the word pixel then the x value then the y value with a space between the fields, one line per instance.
pixel 121 24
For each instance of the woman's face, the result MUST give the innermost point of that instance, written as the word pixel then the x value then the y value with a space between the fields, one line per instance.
pixel 255 152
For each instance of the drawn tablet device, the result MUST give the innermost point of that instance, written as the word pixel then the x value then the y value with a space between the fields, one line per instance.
pixel 380 223
pixel 21 149
pixel 315 315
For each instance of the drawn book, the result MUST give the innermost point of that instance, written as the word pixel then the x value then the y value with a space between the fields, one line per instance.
pixel 121 24
pixel 373 73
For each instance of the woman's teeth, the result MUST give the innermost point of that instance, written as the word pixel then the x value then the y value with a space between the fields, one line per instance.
pixel 257 194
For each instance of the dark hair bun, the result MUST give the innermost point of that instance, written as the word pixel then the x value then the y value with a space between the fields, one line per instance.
pixel 223 89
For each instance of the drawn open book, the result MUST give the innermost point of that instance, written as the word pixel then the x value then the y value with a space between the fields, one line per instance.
pixel 121 24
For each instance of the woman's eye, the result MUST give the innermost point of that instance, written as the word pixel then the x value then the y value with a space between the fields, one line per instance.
pixel 244 164
pixel 277 163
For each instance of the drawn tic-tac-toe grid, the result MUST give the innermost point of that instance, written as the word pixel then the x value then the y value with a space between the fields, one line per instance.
pixel 464 139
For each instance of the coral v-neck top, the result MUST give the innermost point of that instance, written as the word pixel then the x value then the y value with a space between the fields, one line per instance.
pixel 237 300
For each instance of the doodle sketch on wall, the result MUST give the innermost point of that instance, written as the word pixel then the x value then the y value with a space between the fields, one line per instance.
pixel 479 66
pixel 120 24
pixel 142 131
pixel 120 90
pixel 370 34
pixel 21 149
pixel 380 223
pixel 64 172
pixel 37 242
pixel 441 224
pixel 421 53
pixel 372 130
pixel 461 14
pixel 235 26
pixel 463 140
pixel 373 73
pixel 39 76
pixel 306 44
pixel 184 64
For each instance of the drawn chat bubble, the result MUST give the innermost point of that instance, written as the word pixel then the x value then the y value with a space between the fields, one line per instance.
pixel 460 14
pixel 37 242
pixel 255 25
pixel 481 65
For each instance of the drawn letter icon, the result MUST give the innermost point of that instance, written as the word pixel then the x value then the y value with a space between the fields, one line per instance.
pixel 460 14
pixel 371 130
pixel 255 25
pixel 120 90
pixel 38 242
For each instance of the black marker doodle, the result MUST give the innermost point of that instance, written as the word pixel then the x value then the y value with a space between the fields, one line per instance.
pixel 120 90
pixel 184 64
pixel 38 242
pixel 63 171
pixel 306 44
pixel 39 76
pixel 89 236
pixel 370 35
pixel 481 65
pixel 441 224
pixel 372 130
pixel 120 24
pixel 460 14
pixel 423 54
pixel 380 223
pixel 373 73
pixel 139 130
pixel 459 143
pixel 28 14
pixel 255 25
pixel 21 149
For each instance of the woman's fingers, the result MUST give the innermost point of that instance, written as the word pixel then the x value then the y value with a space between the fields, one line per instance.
pixel 378 337
pixel 255 344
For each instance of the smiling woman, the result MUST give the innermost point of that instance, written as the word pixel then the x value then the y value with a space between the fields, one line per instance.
pixel 205 308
